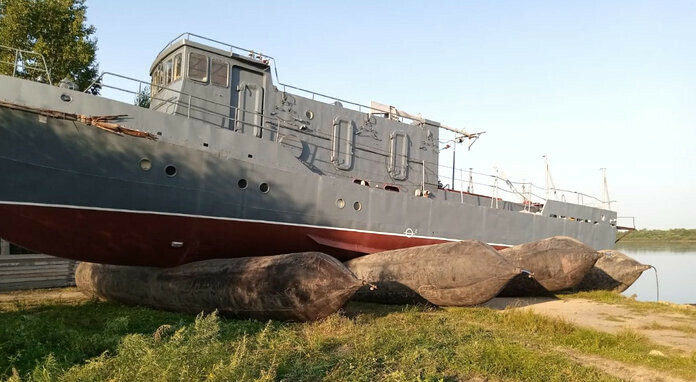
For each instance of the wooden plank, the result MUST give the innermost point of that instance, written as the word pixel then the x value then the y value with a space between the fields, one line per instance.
pixel 33 285
pixel 17 279
pixel 32 262
pixel 35 271
pixel 35 256
pixel 38 273
pixel 30 269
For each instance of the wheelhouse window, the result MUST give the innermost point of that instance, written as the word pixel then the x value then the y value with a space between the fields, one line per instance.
pixel 198 67
pixel 219 71
pixel 157 80
pixel 168 72
pixel 177 67
pixel 153 85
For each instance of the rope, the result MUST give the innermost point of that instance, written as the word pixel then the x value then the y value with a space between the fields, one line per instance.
pixel 657 285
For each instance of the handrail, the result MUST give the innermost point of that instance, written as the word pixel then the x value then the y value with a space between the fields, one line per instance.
pixel 230 47
pixel 18 57
pixel 185 100
pixel 528 184
pixel 313 93
pixel 160 88
pixel 527 194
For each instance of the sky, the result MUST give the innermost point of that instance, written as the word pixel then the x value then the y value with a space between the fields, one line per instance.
pixel 591 84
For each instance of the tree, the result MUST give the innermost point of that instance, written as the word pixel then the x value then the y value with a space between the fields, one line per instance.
pixel 56 29
pixel 142 99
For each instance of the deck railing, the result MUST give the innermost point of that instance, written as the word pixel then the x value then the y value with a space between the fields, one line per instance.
pixel 496 186
pixel 470 181
pixel 25 62
pixel 272 61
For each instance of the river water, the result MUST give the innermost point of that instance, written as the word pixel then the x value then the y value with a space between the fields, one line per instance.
pixel 676 270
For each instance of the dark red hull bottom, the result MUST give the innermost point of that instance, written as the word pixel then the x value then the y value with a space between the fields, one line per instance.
pixel 134 238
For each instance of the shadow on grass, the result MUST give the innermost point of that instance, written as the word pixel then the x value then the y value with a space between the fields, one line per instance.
pixel 356 308
pixel 74 332
pixel 502 303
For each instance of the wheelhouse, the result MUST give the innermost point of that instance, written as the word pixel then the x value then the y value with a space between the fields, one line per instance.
pixel 217 86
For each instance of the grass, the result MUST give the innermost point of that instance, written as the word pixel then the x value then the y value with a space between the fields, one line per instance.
pixel 678 235
pixel 630 303
pixel 90 340
pixel 680 328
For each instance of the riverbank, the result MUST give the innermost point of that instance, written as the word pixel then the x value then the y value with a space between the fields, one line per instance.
pixel 649 236
pixel 61 334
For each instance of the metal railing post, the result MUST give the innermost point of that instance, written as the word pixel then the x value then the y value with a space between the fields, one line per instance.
pixel 188 110
pixel 48 73
pixel 14 67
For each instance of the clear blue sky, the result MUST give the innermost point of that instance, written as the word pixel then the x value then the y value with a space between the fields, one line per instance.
pixel 591 84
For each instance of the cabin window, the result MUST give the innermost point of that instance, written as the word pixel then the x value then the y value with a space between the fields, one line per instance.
pixel 160 77
pixel 168 72
pixel 157 80
pixel 177 67
pixel 153 86
pixel 219 71
pixel 198 67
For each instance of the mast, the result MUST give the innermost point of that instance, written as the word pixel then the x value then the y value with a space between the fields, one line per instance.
pixel 549 180
pixel 605 188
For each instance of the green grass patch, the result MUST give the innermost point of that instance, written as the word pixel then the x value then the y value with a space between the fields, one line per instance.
pixel 680 328
pixel 608 297
pixel 71 332
pixel 90 340
pixel 626 346
pixel 677 235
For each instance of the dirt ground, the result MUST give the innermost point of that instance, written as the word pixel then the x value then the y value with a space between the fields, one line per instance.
pixel 668 329
pixel 29 298
pixel 672 330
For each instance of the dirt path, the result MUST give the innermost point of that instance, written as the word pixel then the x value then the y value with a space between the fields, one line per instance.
pixel 673 330
pixel 618 369
pixel 29 298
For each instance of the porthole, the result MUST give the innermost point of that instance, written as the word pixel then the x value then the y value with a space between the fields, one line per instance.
pixel 309 114
pixel 340 203
pixel 145 164
pixel 242 183
pixel 170 170
pixel 263 187
pixel 357 206
pixel 65 98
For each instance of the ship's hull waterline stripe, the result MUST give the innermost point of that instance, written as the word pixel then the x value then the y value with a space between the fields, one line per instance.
pixel 232 219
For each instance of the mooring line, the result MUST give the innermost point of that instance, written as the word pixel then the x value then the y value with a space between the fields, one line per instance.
pixel 657 284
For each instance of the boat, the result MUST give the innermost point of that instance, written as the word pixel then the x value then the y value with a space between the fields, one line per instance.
pixel 228 162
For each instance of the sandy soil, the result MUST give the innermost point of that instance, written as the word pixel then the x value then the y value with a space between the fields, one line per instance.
pixel 30 298
pixel 618 369
pixel 672 330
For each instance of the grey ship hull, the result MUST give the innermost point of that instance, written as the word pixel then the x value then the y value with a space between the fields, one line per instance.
pixel 79 192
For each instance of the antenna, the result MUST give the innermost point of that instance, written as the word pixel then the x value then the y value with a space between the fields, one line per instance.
pixel 605 188
pixel 549 179
pixel 470 187
pixel 457 139
pixel 494 200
